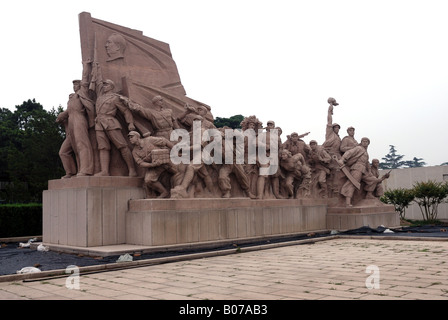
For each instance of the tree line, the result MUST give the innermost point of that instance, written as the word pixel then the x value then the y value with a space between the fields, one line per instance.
pixel 29 152
pixel 393 160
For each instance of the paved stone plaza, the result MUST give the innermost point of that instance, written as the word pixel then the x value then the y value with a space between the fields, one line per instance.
pixel 324 270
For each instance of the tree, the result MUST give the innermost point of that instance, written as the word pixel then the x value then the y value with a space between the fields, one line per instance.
pixel 29 147
pixel 7 132
pixel 414 163
pixel 428 195
pixel 392 160
pixel 233 122
pixel 401 199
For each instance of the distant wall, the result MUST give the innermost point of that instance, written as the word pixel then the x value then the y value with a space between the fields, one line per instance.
pixel 405 178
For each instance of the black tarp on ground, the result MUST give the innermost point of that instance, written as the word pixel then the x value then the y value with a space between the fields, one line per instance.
pixel 418 231
pixel 14 258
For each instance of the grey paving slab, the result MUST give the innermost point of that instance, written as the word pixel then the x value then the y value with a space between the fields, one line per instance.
pixel 336 269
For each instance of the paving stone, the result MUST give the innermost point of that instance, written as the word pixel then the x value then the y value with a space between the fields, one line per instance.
pixel 327 270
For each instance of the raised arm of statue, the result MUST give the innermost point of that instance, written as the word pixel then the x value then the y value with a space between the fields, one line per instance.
pixel 332 102
pixel 187 110
pixel 330 115
pixel 304 135
pixel 329 128
pixel 139 109
pixel 183 114
pixel 127 114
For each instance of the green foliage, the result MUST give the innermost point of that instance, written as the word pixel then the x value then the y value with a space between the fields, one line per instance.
pixel 428 195
pixel 29 151
pixel 401 198
pixel 393 160
pixel 415 223
pixel 233 122
pixel 17 220
pixel 414 163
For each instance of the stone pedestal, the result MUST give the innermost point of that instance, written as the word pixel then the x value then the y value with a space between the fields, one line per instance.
pixel 88 211
pixel 167 221
pixel 102 212
pixel 367 213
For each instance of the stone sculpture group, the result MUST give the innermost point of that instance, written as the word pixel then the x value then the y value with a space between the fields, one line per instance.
pixel 110 133
pixel 338 167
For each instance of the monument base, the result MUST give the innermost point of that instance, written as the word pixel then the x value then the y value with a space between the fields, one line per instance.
pixel 368 212
pixel 88 213
pixel 158 222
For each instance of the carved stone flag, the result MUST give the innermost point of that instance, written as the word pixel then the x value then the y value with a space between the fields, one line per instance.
pixel 140 67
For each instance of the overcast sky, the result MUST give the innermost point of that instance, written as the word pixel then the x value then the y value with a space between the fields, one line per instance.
pixel 385 62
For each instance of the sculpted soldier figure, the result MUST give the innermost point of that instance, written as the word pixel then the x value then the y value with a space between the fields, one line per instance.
pixel 374 186
pixel 196 168
pixel 277 185
pixel 295 144
pixel 192 114
pixel 78 118
pixel 265 140
pixel 107 126
pixel 357 162
pixel 251 169
pixel 332 145
pixel 319 162
pixel 161 118
pixel 144 153
pixel 349 141
pixel 236 168
pixel 296 169
pixel 332 140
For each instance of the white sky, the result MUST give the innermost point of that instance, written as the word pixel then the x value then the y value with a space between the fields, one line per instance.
pixel 385 62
